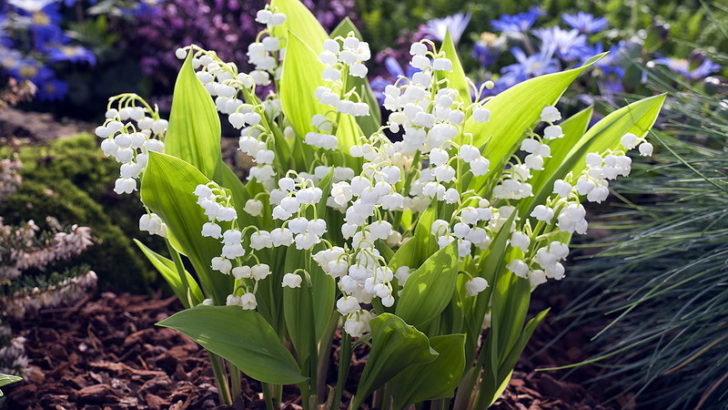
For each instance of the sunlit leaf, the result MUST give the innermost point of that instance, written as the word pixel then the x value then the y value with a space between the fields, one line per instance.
pixel 240 336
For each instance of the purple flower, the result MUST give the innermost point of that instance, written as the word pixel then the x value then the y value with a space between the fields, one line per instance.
pixel 585 22
pixel 455 24
pixel 569 45
pixel 683 67
pixel 517 23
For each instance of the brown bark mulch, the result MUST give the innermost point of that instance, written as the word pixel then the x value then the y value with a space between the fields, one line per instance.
pixel 105 353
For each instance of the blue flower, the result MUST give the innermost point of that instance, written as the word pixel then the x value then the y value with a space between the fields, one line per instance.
pixel 10 58
pixel 682 67
pixel 585 22
pixel 569 45
pixel 455 24
pixel 517 23
pixel 488 48
pixel 31 70
pixel 52 89
pixel 531 66
pixel 74 54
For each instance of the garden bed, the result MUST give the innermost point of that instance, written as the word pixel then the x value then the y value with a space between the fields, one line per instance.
pixel 105 352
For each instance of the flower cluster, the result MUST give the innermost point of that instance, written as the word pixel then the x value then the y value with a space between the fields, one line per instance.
pixel 223 226
pixel 130 132
pixel 424 171
pixel 342 57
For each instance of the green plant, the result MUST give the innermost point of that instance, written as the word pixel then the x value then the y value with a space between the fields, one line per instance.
pixel 661 278
pixel 70 180
pixel 408 246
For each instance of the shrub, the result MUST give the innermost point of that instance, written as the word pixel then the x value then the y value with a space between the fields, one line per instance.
pixel 407 246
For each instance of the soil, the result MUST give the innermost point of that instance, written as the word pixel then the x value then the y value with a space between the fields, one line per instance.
pixel 105 353
pixel 20 128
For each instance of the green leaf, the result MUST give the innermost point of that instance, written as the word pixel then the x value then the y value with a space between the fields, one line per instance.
pixel 347 132
pixel 433 380
pixel 297 308
pixel 417 249
pixel 167 188
pixel 301 76
pixel 242 337
pixel 301 23
pixel 456 78
pixel 433 282
pixel 368 123
pixel 507 366
pixel 6 379
pixel 168 270
pixel 395 347
pixel 194 126
pixel 636 118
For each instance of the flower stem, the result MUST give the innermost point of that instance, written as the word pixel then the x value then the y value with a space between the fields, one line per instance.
pixel 268 396
pixel 236 386
pixel 344 362
pixel 220 379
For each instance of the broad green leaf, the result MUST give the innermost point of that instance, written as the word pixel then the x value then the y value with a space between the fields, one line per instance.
pixel 240 336
pixel 436 379
pixel 636 118
pixel 298 313
pixel 194 126
pixel 168 270
pixel 6 379
pixel 507 366
pixel 167 188
pixel 494 383
pixel 301 76
pixel 421 246
pixel 347 132
pixel 368 123
pixel 456 78
pixel 430 288
pixel 511 297
pixel 301 23
pixel 395 347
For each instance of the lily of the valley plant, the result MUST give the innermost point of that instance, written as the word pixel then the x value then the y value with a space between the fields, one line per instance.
pixel 425 249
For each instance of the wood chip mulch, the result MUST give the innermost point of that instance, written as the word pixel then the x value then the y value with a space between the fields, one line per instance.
pixel 105 353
